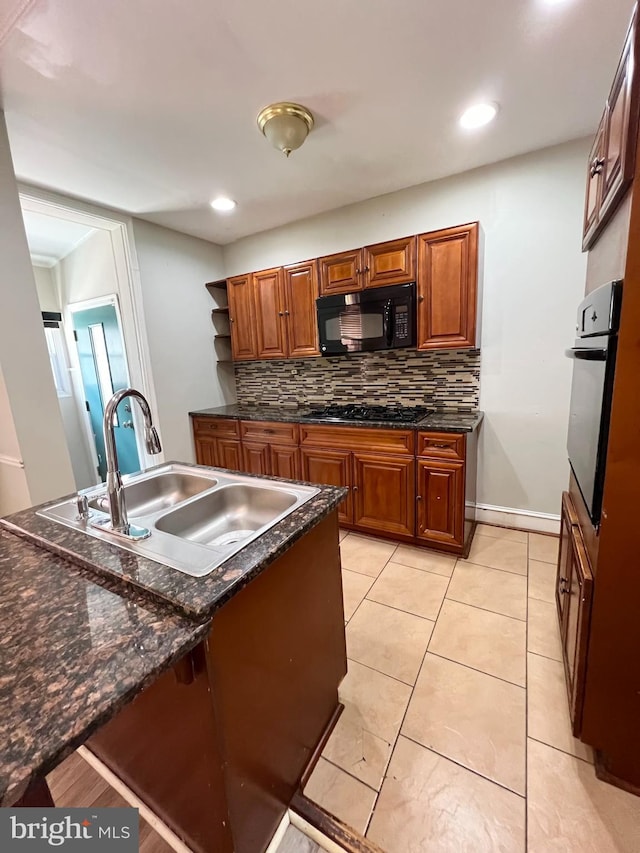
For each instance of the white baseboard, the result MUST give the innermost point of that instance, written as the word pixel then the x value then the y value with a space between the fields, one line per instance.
pixel 504 516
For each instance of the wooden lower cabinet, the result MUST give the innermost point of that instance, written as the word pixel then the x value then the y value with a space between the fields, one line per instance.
pixel 332 467
pixel 384 493
pixel 286 462
pixel 440 501
pixel 574 592
pixel 391 492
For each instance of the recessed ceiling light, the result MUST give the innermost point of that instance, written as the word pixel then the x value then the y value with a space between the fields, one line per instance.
pixel 478 115
pixel 222 203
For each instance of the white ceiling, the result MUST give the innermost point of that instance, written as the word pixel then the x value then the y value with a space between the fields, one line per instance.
pixel 51 239
pixel 150 106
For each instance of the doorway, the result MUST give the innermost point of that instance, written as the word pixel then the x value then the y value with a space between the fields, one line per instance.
pixel 103 369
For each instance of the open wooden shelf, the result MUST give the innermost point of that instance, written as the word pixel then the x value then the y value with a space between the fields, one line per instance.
pixel 220 310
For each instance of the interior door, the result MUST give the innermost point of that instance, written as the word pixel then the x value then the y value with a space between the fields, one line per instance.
pixel 103 366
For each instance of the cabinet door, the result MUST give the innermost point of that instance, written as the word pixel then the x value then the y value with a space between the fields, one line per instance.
pixel 341 273
pixel 268 290
pixel 384 493
pixel 230 454
pixel 440 501
pixel 594 185
pixel 619 148
pixel 286 462
pixel 256 458
pixel 393 262
pixel 333 468
pixel 301 292
pixel 448 288
pixel 242 317
pixel 206 451
pixel 575 640
pixel 568 520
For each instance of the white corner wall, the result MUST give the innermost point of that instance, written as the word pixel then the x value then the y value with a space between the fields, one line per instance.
pixel 29 408
pixel 177 311
pixel 530 208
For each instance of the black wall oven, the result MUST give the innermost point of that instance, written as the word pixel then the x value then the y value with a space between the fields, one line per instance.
pixel 377 319
pixel 594 361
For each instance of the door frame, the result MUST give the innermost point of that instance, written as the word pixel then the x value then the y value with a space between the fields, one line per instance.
pixel 130 303
pixel 102 302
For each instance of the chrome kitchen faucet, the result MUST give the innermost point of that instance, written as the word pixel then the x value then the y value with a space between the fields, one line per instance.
pixel 115 490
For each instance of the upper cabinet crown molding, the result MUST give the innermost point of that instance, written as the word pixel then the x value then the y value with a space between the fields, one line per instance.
pixel 612 158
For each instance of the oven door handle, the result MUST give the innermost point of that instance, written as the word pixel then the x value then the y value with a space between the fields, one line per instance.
pixel 586 354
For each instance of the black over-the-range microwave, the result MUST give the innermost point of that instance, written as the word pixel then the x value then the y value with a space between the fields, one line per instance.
pixel 378 319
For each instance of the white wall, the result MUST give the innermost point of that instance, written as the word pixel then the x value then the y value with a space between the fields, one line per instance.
pixel 177 310
pixel 89 271
pixel 45 285
pixel 28 389
pixel 530 208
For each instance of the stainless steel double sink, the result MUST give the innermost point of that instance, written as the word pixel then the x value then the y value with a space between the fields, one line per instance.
pixel 197 518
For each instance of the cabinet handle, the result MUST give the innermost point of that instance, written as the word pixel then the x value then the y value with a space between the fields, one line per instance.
pixel 442 446
pixel 597 166
pixel 281 313
pixel 418 497
pixel 286 313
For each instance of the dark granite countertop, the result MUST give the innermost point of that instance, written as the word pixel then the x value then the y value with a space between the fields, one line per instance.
pixel 439 421
pixel 195 597
pixel 73 651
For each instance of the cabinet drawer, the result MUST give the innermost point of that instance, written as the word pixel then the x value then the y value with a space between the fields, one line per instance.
pixel 358 438
pixel 441 445
pixel 272 431
pixel 221 427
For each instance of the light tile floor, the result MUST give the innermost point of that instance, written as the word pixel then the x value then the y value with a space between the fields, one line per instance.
pixel 455 735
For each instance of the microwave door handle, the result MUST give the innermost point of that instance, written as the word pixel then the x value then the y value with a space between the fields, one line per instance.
pixel 586 354
pixel 388 322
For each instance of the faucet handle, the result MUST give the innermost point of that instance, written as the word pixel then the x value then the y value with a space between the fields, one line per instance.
pixel 83 507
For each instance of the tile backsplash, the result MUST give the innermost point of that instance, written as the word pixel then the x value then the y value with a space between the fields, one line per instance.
pixel 445 379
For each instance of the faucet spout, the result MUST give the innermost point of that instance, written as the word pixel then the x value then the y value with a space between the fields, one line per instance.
pixel 115 489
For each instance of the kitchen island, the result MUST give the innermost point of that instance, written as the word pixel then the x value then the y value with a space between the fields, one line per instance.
pixel 208 699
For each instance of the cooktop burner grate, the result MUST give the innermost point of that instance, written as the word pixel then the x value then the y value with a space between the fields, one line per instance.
pixel 392 414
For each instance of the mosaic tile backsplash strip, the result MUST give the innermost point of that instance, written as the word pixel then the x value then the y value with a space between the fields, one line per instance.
pixel 446 380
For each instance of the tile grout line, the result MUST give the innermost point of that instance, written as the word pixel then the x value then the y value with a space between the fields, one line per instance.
pixel 562 751
pixel 486 609
pixel 395 743
pixel 480 671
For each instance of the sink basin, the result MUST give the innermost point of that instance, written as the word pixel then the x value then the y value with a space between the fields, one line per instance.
pixel 154 494
pixel 198 517
pixel 228 515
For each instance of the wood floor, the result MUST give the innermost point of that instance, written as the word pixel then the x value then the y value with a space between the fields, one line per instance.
pixel 75 784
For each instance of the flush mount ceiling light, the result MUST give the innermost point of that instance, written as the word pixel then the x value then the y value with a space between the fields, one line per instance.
pixel 478 115
pixel 223 204
pixel 285 125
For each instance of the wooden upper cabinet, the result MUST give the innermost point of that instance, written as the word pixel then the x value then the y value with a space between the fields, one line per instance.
pixel 393 262
pixel 341 273
pixel 242 317
pixel 619 142
pixel 594 183
pixel 301 292
pixel 268 289
pixel 448 288
pixel 612 157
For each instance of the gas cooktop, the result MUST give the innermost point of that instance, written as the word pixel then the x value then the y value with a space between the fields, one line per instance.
pixel 392 414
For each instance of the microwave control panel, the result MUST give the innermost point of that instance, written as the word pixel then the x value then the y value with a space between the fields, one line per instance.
pixel 402 322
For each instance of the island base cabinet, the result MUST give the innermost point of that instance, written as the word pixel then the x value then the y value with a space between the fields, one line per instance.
pixel 217 747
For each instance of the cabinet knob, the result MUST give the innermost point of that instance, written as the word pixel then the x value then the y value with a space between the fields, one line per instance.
pixel 281 313
pixel 231 320
pixel 418 497
pixel 355 488
pixel 420 298
pixel 438 497
pixel 358 272
pixel 597 166
pixel 366 269
pixel 286 313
